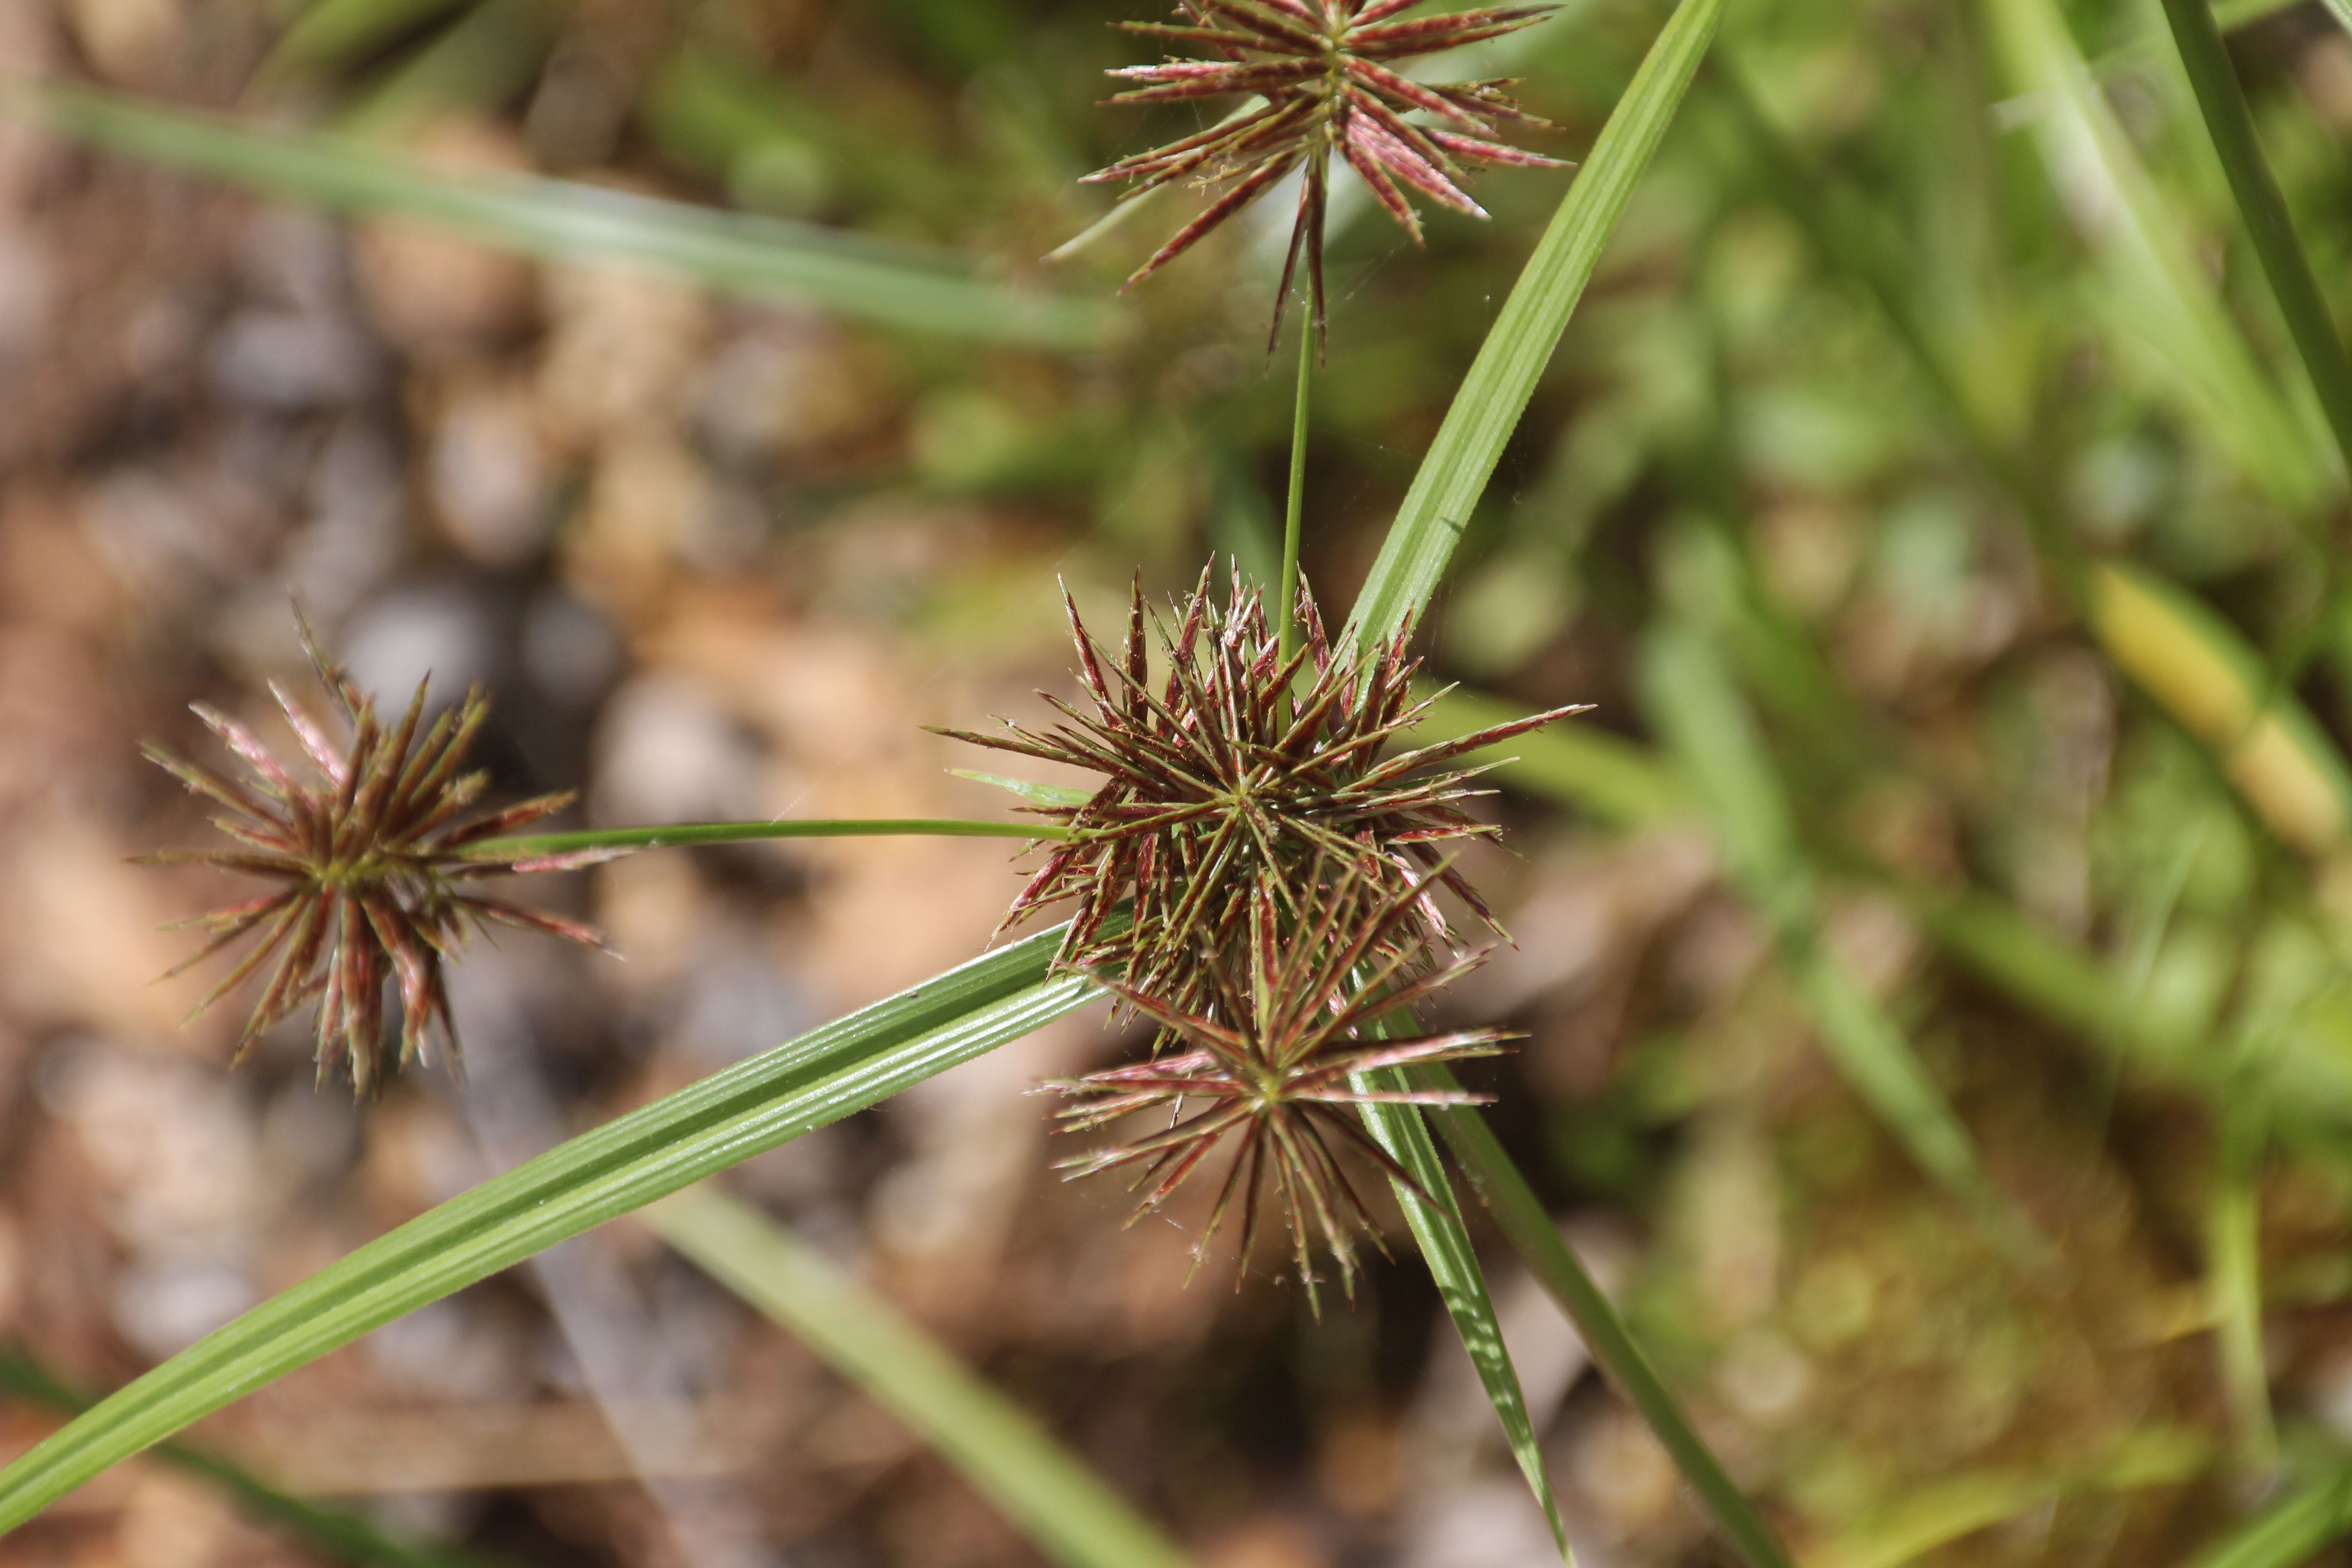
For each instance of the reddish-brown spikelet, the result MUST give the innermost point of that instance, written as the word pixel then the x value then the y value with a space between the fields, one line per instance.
pixel 1320 75
pixel 1224 789
pixel 372 868
pixel 1273 1064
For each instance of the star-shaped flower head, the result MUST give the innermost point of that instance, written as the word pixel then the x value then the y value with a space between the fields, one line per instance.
pixel 374 871
pixel 1322 81
pixel 1225 787
pixel 1276 1063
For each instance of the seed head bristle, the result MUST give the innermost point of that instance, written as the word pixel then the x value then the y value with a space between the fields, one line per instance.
pixel 1223 789
pixel 373 870
pixel 1272 1060
pixel 1321 84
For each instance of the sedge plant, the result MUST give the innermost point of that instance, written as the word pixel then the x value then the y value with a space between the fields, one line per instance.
pixel 1254 876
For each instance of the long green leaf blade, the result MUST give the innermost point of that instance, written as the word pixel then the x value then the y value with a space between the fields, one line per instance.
pixel 560 220
pixel 1521 1216
pixel 1625 786
pixel 806 1083
pixel 2223 103
pixel 1034 1481
pixel 1420 545
pixel 1503 378
pixel 347 1537
pixel 1436 1221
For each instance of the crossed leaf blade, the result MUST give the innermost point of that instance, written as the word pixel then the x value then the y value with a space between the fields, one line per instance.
pixel 801 1085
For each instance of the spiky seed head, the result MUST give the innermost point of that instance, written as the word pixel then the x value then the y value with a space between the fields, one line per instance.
pixel 1225 787
pixel 375 871
pixel 1276 1061
pixel 1323 83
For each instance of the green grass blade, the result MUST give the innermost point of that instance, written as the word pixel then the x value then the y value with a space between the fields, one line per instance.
pixel 2046 973
pixel 1621 782
pixel 2215 686
pixel 560 220
pixel 1503 378
pixel 2223 103
pixel 2306 1084
pixel 2034 966
pixel 1875 1056
pixel 1835 218
pixel 487 57
pixel 1586 769
pixel 2232 15
pixel 679 835
pixel 2234 1268
pixel 2187 656
pixel 806 1083
pixel 346 1537
pixel 1706 724
pixel 2287 1533
pixel 1042 1487
pixel 2155 291
pixel 1521 1216
pixel 1950 1510
pixel 1707 728
pixel 332 31
pixel 2039 969
pixel 1454 1264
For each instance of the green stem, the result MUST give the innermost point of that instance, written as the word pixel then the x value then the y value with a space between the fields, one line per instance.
pixel 1537 1241
pixel 739 832
pixel 1285 621
pixel 2223 101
